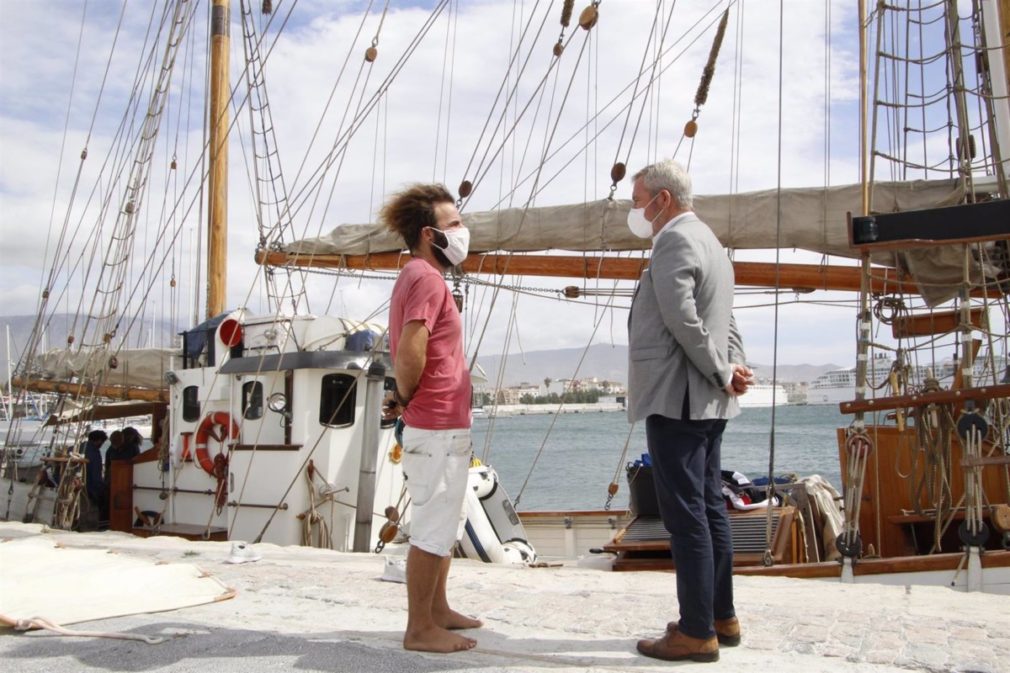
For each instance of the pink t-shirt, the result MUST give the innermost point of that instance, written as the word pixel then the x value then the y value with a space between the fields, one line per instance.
pixel 442 398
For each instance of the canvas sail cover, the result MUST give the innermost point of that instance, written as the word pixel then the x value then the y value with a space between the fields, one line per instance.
pixel 134 368
pixel 812 219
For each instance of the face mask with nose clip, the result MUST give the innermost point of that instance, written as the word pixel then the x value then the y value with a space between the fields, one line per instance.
pixel 637 222
pixel 456 243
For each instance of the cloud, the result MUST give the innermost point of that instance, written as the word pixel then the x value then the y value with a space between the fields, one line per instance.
pixel 417 131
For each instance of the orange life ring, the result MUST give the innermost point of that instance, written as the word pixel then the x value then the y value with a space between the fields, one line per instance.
pixel 209 430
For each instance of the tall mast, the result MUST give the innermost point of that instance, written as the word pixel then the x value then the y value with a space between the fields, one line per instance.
pixel 217 226
pixel 996 40
pixel 864 175
pixel 10 390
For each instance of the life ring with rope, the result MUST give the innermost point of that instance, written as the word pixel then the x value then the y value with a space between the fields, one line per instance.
pixel 219 426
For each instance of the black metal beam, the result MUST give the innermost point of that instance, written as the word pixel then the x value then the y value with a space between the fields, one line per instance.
pixel 989 220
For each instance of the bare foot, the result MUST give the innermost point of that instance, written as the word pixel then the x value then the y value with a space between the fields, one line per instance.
pixel 455 621
pixel 436 639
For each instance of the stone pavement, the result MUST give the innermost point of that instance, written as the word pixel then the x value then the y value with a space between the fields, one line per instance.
pixel 311 610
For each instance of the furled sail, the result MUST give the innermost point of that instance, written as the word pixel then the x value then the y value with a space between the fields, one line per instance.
pixel 812 219
pixel 130 368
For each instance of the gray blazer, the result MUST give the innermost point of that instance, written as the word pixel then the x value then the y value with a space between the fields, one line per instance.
pixel 681 332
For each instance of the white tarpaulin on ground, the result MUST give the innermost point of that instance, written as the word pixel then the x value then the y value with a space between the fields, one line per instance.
pixel 62 585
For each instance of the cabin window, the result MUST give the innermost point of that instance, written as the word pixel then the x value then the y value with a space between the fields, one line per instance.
pixel 191 403
pixel 336 400
pixel 388 386
pixel 252 400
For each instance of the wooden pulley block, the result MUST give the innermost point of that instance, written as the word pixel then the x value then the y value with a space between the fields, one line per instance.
pixel 465 188
pixel 392 514
pixel 618 171
pixel 371 54
pixel 588 18
pixel 999 515
pixel 859 444
pixel 691 128
pixel 388 532
pixel 612 489
pixel 572 292
pixel 558 48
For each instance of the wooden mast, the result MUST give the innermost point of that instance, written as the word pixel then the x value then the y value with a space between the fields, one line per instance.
pixel 864 175
pixel 1004 29
pixel 217 226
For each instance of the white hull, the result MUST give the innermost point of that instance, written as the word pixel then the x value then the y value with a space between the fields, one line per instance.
pixel 762 394
pixel 830 396
pixel 991 580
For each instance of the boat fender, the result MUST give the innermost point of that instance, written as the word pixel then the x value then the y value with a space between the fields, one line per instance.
pixel 209 429
pixel 519 552
pixel 978 539
pixel 483 483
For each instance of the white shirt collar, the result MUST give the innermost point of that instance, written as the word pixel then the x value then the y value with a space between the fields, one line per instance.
pixel 670 225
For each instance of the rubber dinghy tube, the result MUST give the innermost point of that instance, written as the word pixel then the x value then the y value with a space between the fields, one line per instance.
pixel 493 532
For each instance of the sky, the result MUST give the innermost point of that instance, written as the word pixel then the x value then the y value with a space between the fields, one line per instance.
pixel 60 91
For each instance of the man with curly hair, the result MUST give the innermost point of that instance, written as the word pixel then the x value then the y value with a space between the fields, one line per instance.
pixel 432 398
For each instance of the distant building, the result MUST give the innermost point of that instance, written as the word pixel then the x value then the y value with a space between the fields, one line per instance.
pixel 562 386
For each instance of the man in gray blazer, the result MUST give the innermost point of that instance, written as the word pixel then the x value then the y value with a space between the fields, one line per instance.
pixel 686 369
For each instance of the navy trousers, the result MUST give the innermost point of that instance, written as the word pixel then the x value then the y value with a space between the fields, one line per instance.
pixel 685 466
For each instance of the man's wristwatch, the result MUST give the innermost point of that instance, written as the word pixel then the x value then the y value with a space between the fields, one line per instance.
pixel 399 398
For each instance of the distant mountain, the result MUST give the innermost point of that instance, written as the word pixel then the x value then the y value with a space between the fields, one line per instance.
pixel 604 361
pixel 158 333
pixel 607 362
pixel 792 373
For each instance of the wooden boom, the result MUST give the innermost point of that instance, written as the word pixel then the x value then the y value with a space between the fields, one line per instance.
pixel 81 390
pixel 800 277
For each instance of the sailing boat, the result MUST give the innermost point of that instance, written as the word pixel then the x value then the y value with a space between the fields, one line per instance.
pixel 273 429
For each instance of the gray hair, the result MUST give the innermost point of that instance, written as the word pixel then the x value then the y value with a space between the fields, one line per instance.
pixel 668 175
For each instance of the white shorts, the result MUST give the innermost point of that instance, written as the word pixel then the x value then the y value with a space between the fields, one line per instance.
pixel 436 465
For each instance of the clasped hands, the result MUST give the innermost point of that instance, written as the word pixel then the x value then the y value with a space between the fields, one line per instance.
pixel 390 409
pixel 743 378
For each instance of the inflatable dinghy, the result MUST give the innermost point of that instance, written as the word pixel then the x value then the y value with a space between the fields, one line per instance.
pixel 493 532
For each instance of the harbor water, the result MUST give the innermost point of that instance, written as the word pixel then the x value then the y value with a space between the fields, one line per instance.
pixel 581 453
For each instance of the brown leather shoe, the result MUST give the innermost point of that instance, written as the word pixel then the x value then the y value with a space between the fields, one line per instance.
pixel 678 646
pixel 726 630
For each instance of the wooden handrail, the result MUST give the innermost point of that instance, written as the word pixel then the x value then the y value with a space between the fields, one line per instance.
pixel 922 399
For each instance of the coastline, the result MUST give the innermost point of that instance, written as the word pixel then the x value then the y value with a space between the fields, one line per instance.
pixel 491 410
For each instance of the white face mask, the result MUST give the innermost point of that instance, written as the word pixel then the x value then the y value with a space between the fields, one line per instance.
pixel 640 226
pixel 457 244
